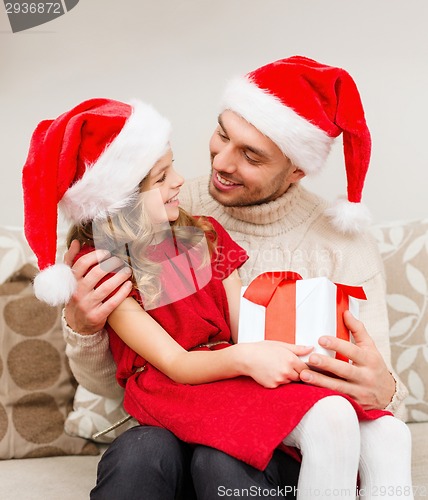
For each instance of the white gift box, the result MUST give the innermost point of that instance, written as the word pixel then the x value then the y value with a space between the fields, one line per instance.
pixel 315 312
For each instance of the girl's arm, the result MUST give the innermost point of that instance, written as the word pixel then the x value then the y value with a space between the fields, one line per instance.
pixel 232 285
pixel 270 363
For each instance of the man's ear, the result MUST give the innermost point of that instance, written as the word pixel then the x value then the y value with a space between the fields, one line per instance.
pixel 297 175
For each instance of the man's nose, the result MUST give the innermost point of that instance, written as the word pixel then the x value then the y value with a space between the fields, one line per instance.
pixel 224 161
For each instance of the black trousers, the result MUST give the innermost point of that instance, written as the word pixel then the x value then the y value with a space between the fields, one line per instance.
pixel 150 463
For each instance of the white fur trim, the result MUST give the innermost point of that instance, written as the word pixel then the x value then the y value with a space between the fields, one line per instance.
pixel 55 285
pixel 349 217
pixel 305 144
pixel 112 181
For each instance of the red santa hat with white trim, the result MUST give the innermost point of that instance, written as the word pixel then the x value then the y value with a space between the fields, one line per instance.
pixel 89 161
pixel 302 106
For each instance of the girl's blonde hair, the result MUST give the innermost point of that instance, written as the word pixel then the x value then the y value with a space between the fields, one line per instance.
pixel 128 236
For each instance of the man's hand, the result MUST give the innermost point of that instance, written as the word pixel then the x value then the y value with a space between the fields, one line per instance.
pixel 86 313
pixel 367 379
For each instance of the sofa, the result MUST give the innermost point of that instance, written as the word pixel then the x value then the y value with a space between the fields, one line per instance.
pixel 47 422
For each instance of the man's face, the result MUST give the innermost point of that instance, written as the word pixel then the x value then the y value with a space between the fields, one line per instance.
pixel 247 167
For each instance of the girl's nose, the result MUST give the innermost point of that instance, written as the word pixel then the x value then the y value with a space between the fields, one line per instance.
pixel 178 180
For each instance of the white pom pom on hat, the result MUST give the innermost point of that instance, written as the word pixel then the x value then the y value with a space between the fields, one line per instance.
pixel 55 284
pixel 302 106
pixel 349 217
pixel 89 161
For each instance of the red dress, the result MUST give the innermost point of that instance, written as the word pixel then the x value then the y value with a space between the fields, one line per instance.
pixel 237 416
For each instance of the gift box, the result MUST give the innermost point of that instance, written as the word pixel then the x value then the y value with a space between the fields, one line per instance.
pixel 283 306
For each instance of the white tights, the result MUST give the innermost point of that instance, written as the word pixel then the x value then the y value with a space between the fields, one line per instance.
pixel 335 446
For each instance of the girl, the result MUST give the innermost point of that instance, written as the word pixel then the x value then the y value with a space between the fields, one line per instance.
pixel 174 337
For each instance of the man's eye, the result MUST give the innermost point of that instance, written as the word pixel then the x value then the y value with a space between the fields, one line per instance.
pixel 222 136
pixel 249 159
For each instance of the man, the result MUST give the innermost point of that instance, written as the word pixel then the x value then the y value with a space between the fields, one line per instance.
pixel 276 125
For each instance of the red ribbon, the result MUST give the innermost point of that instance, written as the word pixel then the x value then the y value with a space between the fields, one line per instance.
pixel 276 291
pixel 343 292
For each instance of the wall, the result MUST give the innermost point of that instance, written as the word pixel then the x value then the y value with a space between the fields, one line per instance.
pixel 178 54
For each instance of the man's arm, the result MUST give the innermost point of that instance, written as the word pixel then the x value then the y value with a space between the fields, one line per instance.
pixel 89 307
pixel 91 361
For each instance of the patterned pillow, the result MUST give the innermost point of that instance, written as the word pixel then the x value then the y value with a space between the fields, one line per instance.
pixel 14 251
pixel 93 415
pixel 404 249
pixel 36 385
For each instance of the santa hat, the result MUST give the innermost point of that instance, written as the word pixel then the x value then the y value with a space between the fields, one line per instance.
pixel 302 106
pixel 89 161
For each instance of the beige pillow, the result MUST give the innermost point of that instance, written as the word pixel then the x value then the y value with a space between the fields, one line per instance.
pixel 36 385
pixel 404 249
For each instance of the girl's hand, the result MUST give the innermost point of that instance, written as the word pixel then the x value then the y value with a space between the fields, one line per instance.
pixel 272 363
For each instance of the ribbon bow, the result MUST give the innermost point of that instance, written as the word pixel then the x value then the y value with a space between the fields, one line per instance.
pixel 276 291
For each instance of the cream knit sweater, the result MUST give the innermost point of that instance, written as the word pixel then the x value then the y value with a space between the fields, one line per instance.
pixel 290 233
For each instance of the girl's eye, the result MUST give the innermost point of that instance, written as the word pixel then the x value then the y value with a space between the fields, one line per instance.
pixel 162 178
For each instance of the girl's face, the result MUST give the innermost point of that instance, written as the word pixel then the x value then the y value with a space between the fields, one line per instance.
pixel 161 187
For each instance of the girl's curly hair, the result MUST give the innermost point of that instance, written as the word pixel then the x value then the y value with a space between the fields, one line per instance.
pixel 129 234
